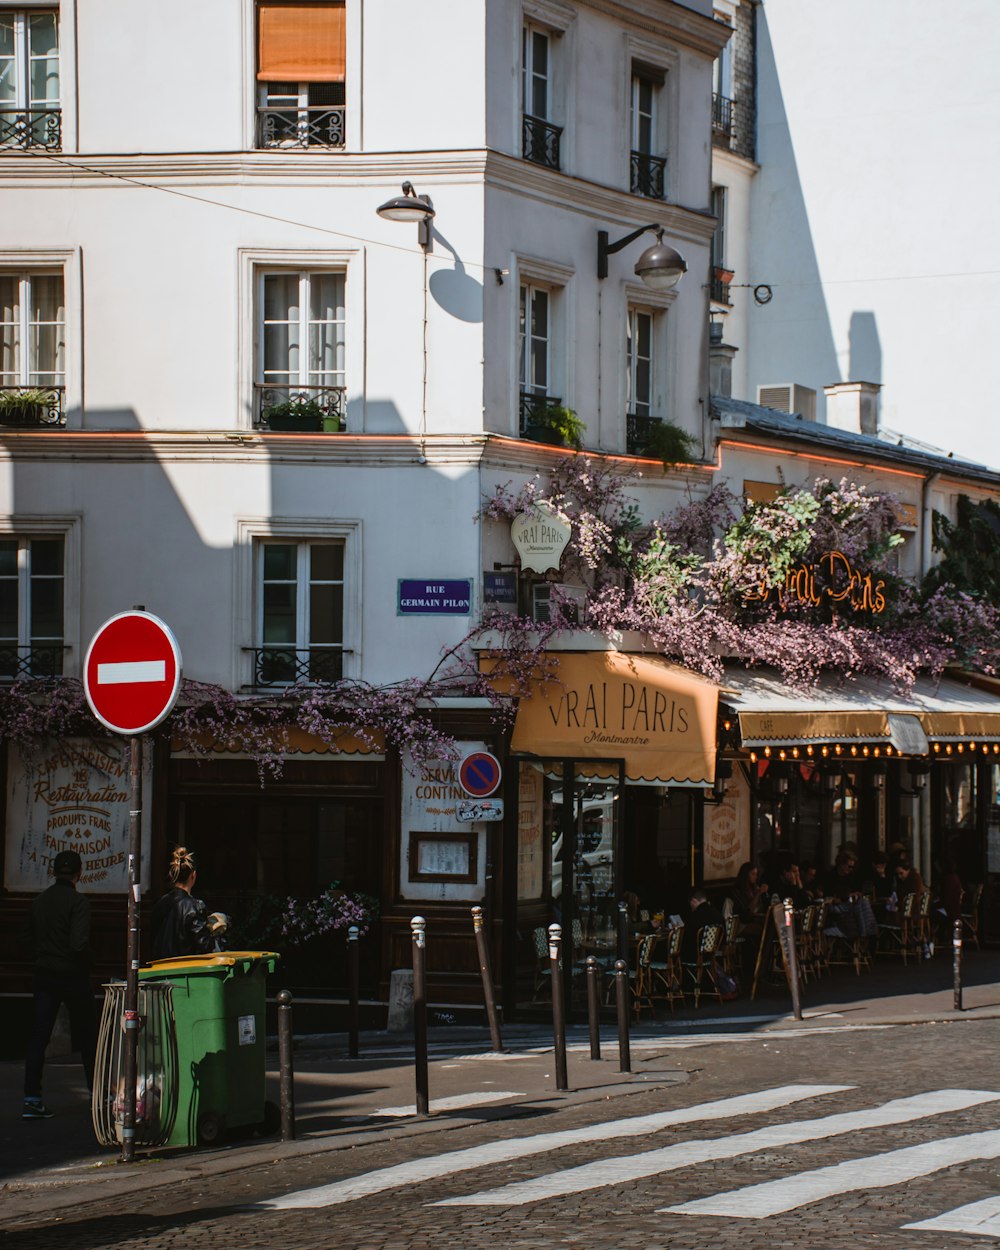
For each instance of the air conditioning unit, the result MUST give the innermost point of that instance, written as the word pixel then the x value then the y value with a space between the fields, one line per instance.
pixel 572 602
pixel 789 397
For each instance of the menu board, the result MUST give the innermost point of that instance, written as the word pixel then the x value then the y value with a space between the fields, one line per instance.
pixel 727 830
pixel 530 864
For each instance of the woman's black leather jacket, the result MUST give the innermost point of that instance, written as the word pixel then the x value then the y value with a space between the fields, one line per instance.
pixel 180 926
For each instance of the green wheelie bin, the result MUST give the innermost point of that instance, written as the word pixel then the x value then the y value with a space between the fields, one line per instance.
pixel 219 1004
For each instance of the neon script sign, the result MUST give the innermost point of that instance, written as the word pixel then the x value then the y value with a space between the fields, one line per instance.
pixel 832 579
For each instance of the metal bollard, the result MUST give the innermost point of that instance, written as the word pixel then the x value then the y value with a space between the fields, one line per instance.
pixel 558 1006
pixel 623 933
pixel 956 946
pixel 353 978
pixel 593 1006
pixel 486 973
pixel 286 1076
pixel 790 955
pixel 621 1001
pixel 418 927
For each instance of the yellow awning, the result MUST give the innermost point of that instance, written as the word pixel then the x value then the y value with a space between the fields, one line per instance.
pixel 860 709
pixel 656 716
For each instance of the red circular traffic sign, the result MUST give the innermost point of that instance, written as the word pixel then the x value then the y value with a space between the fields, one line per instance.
pixel 132 672
pixel 479 774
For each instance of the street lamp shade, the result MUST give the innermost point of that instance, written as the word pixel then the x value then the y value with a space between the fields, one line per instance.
pixel 660 267
pixel 407 207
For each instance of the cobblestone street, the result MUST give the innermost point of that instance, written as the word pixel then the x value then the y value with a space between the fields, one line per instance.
pixel 828 1108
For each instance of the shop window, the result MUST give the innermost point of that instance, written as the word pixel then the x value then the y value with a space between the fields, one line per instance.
pixel 301 612
pixel 32 585
pixel 30 112
pixel 301 71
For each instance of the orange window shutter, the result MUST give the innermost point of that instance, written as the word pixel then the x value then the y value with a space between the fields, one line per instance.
pixel 301 42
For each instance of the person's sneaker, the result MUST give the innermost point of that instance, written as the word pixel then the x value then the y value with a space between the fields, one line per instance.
pixel 35 1109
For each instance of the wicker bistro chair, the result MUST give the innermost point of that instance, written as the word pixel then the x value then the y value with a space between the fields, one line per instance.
pixel 668 974
pixel 899 937
pixel 849 932
pixel 970 916
pixel 641 976
pixel 543 968
pixel 732 946
pixel 805 937
pixel 821 943
pixel 710 939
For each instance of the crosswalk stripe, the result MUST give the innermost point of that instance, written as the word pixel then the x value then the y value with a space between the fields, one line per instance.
pixel 756 1202
pixel 976 1217
pixel 604 1172
pixel 456 1103
pixel 522 1147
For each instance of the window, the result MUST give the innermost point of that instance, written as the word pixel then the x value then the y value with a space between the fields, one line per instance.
pixel 32 346
pixel 301 350
pixel 722 96
pixel 301 612
pixel 639 362
pixel 721 275
pixel 534 349
pixel 32 581
pixel 30 116
pixel 301 74
pixel 647 168
pixel 539 135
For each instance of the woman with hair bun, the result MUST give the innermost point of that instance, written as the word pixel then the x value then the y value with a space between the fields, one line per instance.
pixel 181 923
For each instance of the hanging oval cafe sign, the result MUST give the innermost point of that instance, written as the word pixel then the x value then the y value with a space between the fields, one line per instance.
pixel 832 579
pixel 540 535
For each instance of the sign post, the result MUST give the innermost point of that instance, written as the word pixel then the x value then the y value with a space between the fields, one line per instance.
pixel 131 677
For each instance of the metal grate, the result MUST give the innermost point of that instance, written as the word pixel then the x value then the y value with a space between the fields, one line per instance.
pixel 647 176
pixel 309 127
pixel 30 663
pixel 540 141
pixel 30 128
pixel 284 666
pixel 156 1067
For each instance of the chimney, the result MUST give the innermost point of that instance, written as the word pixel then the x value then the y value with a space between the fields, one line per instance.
pixel 720 361
pixel 853 406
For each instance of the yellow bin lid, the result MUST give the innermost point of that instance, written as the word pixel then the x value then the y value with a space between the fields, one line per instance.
pixel 223 959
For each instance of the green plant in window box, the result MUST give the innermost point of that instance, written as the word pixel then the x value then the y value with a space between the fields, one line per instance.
pixel 27 406
pixel 296 413
pixel 668 442
pixel 555 424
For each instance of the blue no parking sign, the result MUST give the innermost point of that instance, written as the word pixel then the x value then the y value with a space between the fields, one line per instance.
pixel 479 774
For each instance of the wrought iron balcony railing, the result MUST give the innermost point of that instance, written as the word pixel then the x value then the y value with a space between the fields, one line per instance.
pixel 312 409
pixel 532 405
pixel 639 431
pixel 722 115
pixel 32 407
pixel 284 666
pixel 648 175
pixel 34 663
pixel 540 141
pixel 313 127
pixel 30 128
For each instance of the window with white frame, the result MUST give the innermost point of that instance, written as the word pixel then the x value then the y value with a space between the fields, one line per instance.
pixel 301 350
pixel 722 92
pixel 300 623
pixel 30 113
pixel 32 592
pixel 301 59
pixel 648 164
pixel 32 348
pixel 540 136
pixel 535 350
pixel 639 362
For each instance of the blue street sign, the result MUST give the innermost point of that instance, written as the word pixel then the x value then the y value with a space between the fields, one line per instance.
pixel 500 588
pixel 434 596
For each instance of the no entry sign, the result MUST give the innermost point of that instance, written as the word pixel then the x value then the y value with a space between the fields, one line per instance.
pixel 132 672
pixel 479 774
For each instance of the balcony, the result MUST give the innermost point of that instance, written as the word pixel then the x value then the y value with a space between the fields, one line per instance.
pixel 719 286
pixel 531 407
pixel 647 175
pixel 313 127
pixel 32 407
pixel 31 128
pixel 300 409
pixel 540 141
pixel 33 663
pixel 285 666
pixel 640 431
pixel 722 119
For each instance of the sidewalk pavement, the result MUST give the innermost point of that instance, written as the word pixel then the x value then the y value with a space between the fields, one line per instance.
pixel 55 1164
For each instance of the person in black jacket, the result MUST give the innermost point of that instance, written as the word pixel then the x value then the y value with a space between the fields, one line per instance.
pixel 701 913
pixel 181 923
pixel 57 935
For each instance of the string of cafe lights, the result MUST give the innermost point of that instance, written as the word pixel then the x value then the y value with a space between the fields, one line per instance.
pixel 838 750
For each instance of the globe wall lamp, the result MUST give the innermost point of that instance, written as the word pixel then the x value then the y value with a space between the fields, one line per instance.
pixel 411 207
pixel 660 267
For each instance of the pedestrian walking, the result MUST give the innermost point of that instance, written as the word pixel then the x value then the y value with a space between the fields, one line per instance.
pixel 57 935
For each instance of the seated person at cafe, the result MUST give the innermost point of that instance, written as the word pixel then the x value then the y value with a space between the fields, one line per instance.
pixel 880 880
pixel 908 880
pixel 842 879
pixel 750 898
pixel 790 886
pixel 809 876
pixel 701 913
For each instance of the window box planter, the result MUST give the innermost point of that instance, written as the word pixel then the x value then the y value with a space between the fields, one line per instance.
pixel 28 408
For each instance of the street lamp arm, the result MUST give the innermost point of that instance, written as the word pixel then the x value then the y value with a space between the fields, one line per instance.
pixel 606 249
